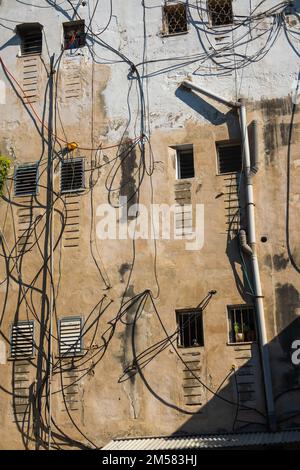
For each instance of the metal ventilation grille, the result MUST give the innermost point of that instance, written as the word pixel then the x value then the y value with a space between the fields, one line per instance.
pixel 185 164
pixel 31 39
pixel 70 337
pixel 25 180
pixel 72 175
pixel 230 158
pixel 175 21
pixel 22 340
pixel 220 12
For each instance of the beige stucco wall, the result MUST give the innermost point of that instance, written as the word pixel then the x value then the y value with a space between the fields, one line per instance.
pixel 90 279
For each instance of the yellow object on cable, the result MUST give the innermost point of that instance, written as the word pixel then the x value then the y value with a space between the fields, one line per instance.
pixel 72 145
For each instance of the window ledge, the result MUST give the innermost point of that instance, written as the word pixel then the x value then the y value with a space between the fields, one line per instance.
pixel 24 56
pixel 166 35
pixel 185 179
pixel 242 343
pixel 226 25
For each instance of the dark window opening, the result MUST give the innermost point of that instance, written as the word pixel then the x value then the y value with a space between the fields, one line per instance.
pixel 220 12
pixel 31 38
pixel 229 158
pixel 185 163
pixel 25 180
pixel 241 323
pixel 70 336
pixel 74 34
pixel 190 328
pixel 175 18
pixel 72 175
pixel 22 340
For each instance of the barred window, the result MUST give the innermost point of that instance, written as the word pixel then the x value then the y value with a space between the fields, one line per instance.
pixel 25 180
pixel 72 175
pixel 229 158
pixel 185 163
pixel 74 34
pixel 190 328
pixel 241 323
pixel 22 340
pixel 70 336
pixel 220 12
pixel 174 19
pixel 31 38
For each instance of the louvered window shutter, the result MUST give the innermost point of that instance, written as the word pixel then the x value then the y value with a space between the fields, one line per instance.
pixel 70 336
pixel 22 340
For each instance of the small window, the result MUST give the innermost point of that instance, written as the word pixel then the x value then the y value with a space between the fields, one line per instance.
pixel 241 323
pixel 72 175
pixel 190 328
pixel 185 163
pixel 22 340
pixel 70 336
pixel 25 180
pixel 74 34
pixel 31 38
pixel 229 158
pixel 174 19
pixel 220 12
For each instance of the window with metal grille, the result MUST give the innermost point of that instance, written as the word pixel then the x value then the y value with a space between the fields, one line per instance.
pixel 31 38
pixel 185 163
pixel 74 34
pixel 241 323
pixel 70 336
pixel 190 328
pixel 72 175
pixel 22 340
pixel 174 19
pixel 229 158
pixel 25 180
pixel 220 12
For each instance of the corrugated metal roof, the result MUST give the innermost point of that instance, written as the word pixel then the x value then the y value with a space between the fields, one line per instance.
pixel 205 441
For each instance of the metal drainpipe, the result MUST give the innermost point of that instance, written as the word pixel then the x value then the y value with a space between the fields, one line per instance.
pixel 263 342
pixel 262 335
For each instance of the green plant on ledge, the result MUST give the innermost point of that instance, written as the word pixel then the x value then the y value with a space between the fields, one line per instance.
pixel 4 168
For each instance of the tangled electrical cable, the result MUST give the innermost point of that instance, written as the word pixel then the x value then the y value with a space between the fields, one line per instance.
pixel 257 28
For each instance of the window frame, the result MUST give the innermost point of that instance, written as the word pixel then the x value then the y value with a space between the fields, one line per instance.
pixel 70 24
pixel 227 143
pixel 36 192
pixel 230 324
pixel 224 25
pixel 180 339
pixel 165 25
pixel 21 358
pixel 78 190
pixel 179 149
pixel 70 354
pixel 20 29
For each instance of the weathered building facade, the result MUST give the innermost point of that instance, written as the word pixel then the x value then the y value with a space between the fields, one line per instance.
pixel 107 328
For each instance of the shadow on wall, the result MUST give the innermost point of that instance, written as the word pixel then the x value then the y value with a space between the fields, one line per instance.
pixel 209 112
pixel 237 404
pixel 241 389
pixel 14 41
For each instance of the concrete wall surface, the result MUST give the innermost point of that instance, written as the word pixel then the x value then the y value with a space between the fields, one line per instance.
pixel 90 254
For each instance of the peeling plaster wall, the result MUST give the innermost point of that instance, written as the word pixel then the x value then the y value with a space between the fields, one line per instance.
pixel 153 401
